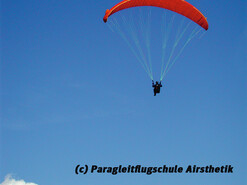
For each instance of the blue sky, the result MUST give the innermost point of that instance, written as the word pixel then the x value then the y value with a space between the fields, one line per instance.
pixel 72 93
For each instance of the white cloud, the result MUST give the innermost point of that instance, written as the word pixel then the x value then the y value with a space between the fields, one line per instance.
pixel 10 181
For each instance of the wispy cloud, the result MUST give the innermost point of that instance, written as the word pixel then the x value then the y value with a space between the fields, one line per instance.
pixel 10 181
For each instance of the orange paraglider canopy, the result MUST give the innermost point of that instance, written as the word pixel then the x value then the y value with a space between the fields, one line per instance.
pixel 179 6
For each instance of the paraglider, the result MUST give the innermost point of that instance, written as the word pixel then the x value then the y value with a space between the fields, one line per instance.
pixel 156 87
pixel 172 41
pixel 179 6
